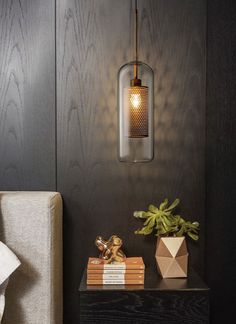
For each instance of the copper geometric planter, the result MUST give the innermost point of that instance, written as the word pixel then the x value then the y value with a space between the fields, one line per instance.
pixel 172 257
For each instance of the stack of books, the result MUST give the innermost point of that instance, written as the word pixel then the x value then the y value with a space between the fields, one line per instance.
pixel 130 272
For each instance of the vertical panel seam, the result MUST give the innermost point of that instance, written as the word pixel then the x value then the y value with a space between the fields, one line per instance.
pixel 55 58
pixel 206 146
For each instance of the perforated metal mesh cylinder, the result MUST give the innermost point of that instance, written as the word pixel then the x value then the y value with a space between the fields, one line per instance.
pixel 135 104
pixel 136 110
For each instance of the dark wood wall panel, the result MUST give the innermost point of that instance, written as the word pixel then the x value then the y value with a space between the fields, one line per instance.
pixel 220 160
pixel 27 95
pixel 94 38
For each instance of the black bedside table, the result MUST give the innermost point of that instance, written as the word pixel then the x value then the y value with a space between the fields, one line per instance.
pixel 160 301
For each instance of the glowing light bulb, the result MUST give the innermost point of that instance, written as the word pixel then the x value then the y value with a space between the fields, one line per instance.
pixel 136 100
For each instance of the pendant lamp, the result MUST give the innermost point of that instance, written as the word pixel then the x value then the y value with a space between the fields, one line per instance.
pixel 135 104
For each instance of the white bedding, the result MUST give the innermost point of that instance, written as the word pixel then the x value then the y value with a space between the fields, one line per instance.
pixel 8 264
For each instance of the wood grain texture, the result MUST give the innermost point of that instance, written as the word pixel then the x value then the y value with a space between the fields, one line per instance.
pixel 94 38
pixel 27 95
pixel 144 307
pixel 220 159
pixel 162 301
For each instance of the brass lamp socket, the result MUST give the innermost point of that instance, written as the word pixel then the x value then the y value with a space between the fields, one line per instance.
pixel 135 82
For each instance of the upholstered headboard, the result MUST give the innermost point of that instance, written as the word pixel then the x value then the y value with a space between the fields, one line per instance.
pixel 31 226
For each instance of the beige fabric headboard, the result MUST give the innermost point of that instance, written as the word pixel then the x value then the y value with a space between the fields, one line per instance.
pixel 31 225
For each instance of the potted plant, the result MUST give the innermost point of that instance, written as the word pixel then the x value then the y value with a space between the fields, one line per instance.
pixel 171 252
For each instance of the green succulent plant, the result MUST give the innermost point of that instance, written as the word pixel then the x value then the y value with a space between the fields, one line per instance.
pixel 162 220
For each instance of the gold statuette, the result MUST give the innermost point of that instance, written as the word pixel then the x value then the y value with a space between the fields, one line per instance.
pixel 111 249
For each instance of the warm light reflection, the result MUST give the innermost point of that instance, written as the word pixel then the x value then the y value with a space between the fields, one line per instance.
pixel 136 100
pixel 137 112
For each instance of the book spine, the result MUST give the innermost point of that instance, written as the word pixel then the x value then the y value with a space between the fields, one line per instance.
pixel 107 276
pixel 126 271
pixel 115 267
pixel 115 282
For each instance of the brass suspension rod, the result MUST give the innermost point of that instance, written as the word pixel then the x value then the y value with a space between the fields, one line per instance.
pixel 136 40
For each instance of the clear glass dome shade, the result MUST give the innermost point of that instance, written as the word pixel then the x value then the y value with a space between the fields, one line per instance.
pixel 135 102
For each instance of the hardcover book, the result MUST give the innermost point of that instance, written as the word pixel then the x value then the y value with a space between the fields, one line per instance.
pixel 130 263
pixel 115 276
pixel 115 271
pixel 115 282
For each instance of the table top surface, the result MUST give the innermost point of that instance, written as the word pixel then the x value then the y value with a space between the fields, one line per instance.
pixel 152 282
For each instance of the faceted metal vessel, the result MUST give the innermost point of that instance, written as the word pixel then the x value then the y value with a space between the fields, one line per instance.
pixel 172 257
pixel 135 103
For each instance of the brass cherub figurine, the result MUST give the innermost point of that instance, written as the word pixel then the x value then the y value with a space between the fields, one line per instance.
pixel 111 249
